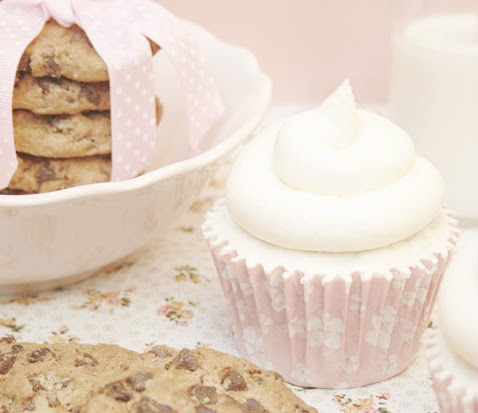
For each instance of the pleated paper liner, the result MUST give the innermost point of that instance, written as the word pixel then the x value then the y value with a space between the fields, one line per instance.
pixel 319 327
pixel 455 382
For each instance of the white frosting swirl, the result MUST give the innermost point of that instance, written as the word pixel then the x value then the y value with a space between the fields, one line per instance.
pixel 333 179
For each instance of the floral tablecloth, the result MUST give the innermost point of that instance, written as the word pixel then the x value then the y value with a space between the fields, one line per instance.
pixel 168 293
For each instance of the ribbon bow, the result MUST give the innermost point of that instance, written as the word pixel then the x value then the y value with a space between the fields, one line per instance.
pixel 117 30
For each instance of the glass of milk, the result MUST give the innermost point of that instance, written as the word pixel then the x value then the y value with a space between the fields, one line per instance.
pixel 434 93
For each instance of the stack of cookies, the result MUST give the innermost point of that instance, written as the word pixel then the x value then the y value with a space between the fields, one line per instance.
pixel 84 378
pixel 61 113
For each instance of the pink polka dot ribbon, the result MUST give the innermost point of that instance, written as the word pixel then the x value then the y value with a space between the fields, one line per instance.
pixel 118 30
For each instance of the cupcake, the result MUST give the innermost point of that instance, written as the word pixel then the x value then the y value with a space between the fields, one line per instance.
pixel 330 246
pixel 452 349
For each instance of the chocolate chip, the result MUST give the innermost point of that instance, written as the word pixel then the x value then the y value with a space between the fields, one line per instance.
pixel 253 406
pixel 17 348
pixel 36 385
pixel 89 92
pixel 203 394
pixel 56 121
pixel 160 352
pixel 52 68
pixel 44 174
pixel 62 384
pixel 185 360
pixel 86 359
pixel 6 362
pixel 39 355
pixel 138 381
pixel 204 409
pixel 45 84
pixel 24 64
pixel 233 381
pixel 149 405
pixel 117 391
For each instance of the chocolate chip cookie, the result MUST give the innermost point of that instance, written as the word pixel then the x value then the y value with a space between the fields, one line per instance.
pixel 35 174
pixel 64 52
pixel 55 378
pixel 194 381
pixel 61 117
pixel 46 96
pixel 62 136
pixel 83 378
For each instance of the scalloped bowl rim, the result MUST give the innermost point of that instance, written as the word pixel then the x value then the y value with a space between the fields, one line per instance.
pixel 202 160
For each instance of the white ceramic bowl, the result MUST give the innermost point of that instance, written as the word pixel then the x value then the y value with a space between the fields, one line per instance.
pixel 51 239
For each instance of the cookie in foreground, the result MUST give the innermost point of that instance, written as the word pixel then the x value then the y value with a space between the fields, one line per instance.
pixel 55 378
pixel 195 381
pixel 86 378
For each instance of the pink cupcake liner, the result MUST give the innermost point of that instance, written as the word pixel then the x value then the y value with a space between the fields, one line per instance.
pixel 320 331
pixel 455 383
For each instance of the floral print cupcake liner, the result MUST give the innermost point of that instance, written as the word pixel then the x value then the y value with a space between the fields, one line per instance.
pixel 455 383
pixel 330 332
